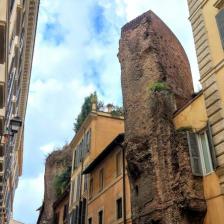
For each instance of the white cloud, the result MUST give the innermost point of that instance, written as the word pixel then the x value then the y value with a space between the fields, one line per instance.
pixel 48 148
pixel 30 191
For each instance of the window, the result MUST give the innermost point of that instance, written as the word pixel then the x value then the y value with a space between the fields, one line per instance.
pixel 72 193
pixel 2 96
pixel 65 213
pixel 205 155
pixel 119 208
pixel 74 160
pixel 85 182
pixel 78 187
pixel 57 218
pixel 88 140
pixel 11 4
pixel 2 42
pixel 91 187
pixel 89 220
pixel 220 24
pixel 1 150
pixel 100 217
pixel 202 153
pixel 101 180
pixel 119 163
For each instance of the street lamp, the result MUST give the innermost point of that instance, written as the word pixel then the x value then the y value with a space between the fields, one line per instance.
pixel 14 124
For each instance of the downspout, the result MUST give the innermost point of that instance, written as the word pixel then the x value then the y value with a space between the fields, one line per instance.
pixel 124 184
pixel 80 195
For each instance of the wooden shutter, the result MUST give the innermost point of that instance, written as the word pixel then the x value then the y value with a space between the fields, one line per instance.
pixel 2 95
pixel 83 211
pixel 74 160
pixel 78 187
pixel 194 154
pixel 89 140
pixel 18 19
pixel 211 146
pixel 1 150
pixel 220 24
pixel 2 42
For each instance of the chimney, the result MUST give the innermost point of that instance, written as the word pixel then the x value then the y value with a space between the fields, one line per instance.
pixel 109 107
pixel 94 106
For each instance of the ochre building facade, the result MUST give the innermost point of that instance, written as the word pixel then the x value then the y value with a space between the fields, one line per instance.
pixel 109 189
pixel 96 133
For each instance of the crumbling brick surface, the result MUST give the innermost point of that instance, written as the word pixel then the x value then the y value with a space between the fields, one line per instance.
pixel 163 189
pixel 57 162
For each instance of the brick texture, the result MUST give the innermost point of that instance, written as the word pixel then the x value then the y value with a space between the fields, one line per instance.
pixel 163 189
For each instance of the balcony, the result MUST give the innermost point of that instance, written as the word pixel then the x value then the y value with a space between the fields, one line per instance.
pixel 2 42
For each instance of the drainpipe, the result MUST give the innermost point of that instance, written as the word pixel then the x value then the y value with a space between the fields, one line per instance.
pixel 124 184
pixel 80 196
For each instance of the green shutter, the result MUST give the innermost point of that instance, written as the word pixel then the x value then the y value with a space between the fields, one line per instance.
pixel 220 24
pixel 194 154
pixel 211 146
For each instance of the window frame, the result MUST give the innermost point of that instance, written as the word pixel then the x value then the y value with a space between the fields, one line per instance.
pixel 119 171
pixel 101 179
pixel 117 208
pixel 202 157
pixel 196 153
pixel 218 16
pixel 98 216
pixel 90 187
pixel 90 218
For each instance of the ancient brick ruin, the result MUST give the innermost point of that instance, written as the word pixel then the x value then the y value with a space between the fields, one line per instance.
pixel 57 162
pixel 164 191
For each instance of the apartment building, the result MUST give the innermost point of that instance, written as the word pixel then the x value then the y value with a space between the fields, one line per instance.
pixel 18 20
pixel 109 188
pixel 204 114
pixel 97 131
pixel 60 207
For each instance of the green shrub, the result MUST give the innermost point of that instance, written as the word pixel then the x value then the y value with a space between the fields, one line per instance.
pixel 86 109
pixel 158 87
pixel 61 181
pixel 117 111
pixel 183 129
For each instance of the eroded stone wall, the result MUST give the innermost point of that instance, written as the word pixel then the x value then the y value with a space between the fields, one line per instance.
pixel 57 162
pixel 164 191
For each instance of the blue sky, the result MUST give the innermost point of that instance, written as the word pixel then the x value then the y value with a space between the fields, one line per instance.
pixel 75 54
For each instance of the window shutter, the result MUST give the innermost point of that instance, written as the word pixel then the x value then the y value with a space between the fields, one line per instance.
pixel 85 143
pixel 76 157
pixel 194 154
pixel 211 146
pixel 89 140
pixel 83 213
pixel 220 23
pixel 74 160
pixel 78 187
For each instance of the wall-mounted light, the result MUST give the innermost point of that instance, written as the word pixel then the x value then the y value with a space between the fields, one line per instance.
pixel 14 124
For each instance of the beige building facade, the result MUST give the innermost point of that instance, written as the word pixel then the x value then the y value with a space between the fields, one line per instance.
pixel 18 20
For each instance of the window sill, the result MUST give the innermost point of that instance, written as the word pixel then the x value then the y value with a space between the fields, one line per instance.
pixel 208 174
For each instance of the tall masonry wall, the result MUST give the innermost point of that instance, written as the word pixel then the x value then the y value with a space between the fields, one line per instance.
pixel 163 189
